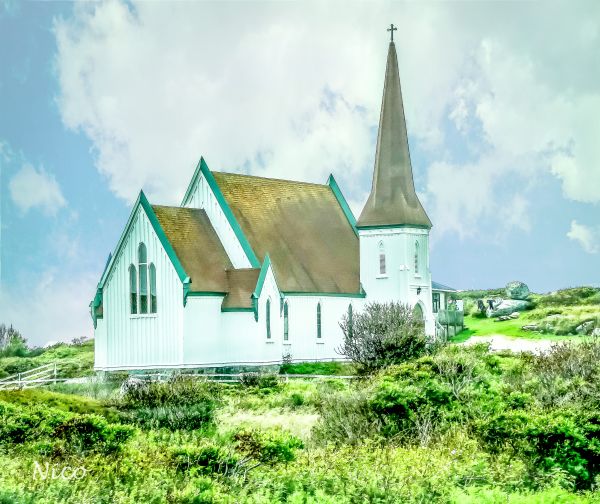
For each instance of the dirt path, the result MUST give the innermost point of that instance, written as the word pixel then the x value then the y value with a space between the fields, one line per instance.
pixel 501 342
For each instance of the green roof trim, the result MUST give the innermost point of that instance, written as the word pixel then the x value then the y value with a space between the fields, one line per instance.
pixel 143 202
pixel 261 277
pixel 361 294
pixel 207 294
pixel 237 309
pixel 343 203
pixel 203 169
pixel 163 238
pixel 392 226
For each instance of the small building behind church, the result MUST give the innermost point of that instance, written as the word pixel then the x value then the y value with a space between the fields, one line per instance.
pixel 248 270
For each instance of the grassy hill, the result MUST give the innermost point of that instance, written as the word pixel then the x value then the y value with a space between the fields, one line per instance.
pixel 556 314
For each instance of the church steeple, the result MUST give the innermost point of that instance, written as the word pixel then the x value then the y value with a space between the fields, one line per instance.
pixel 393 200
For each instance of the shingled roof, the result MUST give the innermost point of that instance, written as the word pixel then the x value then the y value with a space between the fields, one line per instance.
pixel 197 246
pixel 303 228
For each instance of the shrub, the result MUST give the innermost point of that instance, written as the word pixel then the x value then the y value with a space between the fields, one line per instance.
pixel 180 390
pixel 381 335
pixel 84 433
pixel 562 440
pixel 259 380
pixel 347 418
pixel 267 447
pixel 187 417
pixel 207 458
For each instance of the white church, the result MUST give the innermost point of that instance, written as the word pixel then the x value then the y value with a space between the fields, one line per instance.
pixel 249 269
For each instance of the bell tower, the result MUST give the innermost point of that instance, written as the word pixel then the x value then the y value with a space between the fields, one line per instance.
pixel 393 226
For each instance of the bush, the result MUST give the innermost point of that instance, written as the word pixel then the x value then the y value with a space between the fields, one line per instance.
pixel 180 390
pixel 267 447
pixel 381 335
pixel 187 417
pixel 181 403
pixel 85 433
pixel 561 440
pixel 259 380
pixel 207 458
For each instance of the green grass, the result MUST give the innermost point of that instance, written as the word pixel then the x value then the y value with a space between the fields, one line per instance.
pixel 319 368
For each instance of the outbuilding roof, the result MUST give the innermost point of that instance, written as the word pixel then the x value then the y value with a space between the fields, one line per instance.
pixel 302 226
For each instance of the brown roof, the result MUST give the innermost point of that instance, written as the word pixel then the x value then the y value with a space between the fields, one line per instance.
pixel 197 246
pixel 312 246
pixel 242 283
pixel 393 200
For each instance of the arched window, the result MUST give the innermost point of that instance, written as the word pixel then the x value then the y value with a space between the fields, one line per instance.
pixel 382 268
pixel 418 312
pixel 143 273
pixel 319 320
pixel 268 318
pixel 152 288
pixel 286 322
pixel 416 257
pixel 350 321
pixel 132 290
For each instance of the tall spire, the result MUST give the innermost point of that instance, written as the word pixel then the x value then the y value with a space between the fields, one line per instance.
pixel 393 200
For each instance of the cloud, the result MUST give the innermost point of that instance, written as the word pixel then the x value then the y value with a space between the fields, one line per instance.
pixel 587 237
pixel 30 188
pixel 295 91
pixel 55 310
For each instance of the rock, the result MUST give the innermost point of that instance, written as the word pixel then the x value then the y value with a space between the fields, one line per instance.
pixel 530 327
pixel 596 332
pixel 517 290
pixel 586 327
pixel 507 307
pixel 515 315
pixel 131 384
pixel 503 318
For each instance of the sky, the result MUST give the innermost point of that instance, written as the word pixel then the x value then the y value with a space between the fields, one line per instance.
pixel 100 100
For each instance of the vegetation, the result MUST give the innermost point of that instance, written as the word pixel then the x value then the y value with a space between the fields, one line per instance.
pixel 417 423
pixel 567 312
pixel 382 334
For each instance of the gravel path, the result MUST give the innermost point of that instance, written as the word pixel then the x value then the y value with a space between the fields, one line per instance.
pixel 501 342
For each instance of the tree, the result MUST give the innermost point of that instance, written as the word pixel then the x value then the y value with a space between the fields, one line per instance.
pixel 12 343
pixel 381 335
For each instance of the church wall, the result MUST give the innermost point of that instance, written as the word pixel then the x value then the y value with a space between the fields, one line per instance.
pixel 303 343
pixel 100 347
pixel 203 197
pixel 400 281
pixel 138 341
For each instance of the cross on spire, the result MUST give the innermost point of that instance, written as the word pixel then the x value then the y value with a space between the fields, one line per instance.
pixel 392 29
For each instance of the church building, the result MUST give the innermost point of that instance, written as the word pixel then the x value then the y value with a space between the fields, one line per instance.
pixel 248 269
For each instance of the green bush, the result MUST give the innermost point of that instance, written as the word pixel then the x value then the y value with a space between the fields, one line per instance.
pixel 565 440
pixel 186 417
pixel 259 380
pixel 84 433
pixel 267 447
pixel 180 390
pixel 207 458
pixel 382 335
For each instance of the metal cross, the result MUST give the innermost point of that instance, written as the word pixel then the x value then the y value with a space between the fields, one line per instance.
pixel 392 29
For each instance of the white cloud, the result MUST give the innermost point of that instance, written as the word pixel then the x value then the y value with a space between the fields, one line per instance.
pixel 294 91
pixel 30 188
pixel 587 237
pixel 56 309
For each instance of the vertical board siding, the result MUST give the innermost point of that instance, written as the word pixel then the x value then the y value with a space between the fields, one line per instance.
pixel 203 197
pixel 400 282
pixel 142 340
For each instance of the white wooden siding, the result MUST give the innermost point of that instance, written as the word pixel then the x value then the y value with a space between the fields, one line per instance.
pixel 134 341
pixel 203 197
